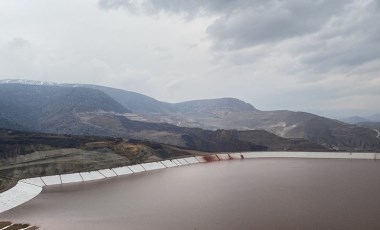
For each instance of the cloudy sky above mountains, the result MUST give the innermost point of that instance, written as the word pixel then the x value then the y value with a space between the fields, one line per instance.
pixel 319 56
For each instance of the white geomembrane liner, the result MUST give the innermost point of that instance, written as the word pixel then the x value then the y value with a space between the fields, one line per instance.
pixel 17 195
pixel 169 163
pixel 97 175
pixel 71 178
pixel 320 155
pixel 183 161
pixel 152 166
pixel 122 170
pixel 87 176
pixel 35 181
pixel 364 156
pixel 223 156
pixel 175 161
pixel 107 172
pixel 191 160
pixel 235 156
pixel 160 165
pixel 136 168
pixel 51 180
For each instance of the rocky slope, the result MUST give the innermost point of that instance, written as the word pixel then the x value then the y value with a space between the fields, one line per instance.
pixel 28 154
pixel 52 108
pixel 230 113
pixel 100 115
pixel 85 111
pixel 370 125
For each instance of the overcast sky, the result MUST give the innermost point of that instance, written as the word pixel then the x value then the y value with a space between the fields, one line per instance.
pixel 321 56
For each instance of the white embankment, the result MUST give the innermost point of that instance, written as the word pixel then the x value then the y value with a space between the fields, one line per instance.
pixel 122 170
pixel 27 189
pixel 17 195
pixel 136 168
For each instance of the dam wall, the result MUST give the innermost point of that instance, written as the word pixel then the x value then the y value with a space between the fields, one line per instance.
pixel 27 189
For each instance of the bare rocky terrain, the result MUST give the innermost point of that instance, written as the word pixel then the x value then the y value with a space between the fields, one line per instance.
pixel 87 111
pixel 234 114
pixel 205 125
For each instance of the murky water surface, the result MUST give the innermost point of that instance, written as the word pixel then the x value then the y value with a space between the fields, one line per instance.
pixel 242 194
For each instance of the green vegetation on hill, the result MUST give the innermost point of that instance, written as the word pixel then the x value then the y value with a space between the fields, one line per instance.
pixel 25 154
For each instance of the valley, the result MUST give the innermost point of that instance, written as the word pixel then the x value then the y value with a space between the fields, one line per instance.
pixel 80 109
pixel 48 128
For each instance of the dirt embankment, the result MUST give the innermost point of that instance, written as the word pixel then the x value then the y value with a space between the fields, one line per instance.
pixel 26 158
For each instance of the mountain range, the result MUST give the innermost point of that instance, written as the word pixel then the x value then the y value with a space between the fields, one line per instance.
pixel 359 119
pixel 225 124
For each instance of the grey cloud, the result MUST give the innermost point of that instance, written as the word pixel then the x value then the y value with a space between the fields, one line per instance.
pixel 112 4
pixel 245 23
pixel 342 57
pixel 329 35
pixel 351 40
pixel 271 22
pixel 189 7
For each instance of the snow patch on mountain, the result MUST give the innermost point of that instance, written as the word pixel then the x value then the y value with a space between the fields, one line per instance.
pixel 27 82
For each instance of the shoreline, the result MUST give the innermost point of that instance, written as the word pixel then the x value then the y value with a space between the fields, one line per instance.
pixel 27 189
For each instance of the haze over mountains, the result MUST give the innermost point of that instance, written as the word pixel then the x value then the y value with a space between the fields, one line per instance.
pixel 359 119
pixel 227 124
pixel 372 122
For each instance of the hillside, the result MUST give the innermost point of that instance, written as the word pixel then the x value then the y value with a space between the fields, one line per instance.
pixel 28 154
pixel 231 113
pixel 136 102
pixel 85 111
pixel 198 139
pixel 370 125
pixel 51 108
pixel 100 115
pixel 330 133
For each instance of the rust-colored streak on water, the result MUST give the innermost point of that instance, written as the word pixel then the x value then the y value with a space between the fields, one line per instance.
pixel 210 158
pixel 264 194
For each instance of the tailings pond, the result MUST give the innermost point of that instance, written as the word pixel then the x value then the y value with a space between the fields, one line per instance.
pixel 238 194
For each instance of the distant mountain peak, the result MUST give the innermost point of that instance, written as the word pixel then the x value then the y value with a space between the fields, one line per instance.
pixel 226 103
pixel 140 103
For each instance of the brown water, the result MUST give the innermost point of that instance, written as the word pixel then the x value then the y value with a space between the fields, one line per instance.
pixel 242 194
